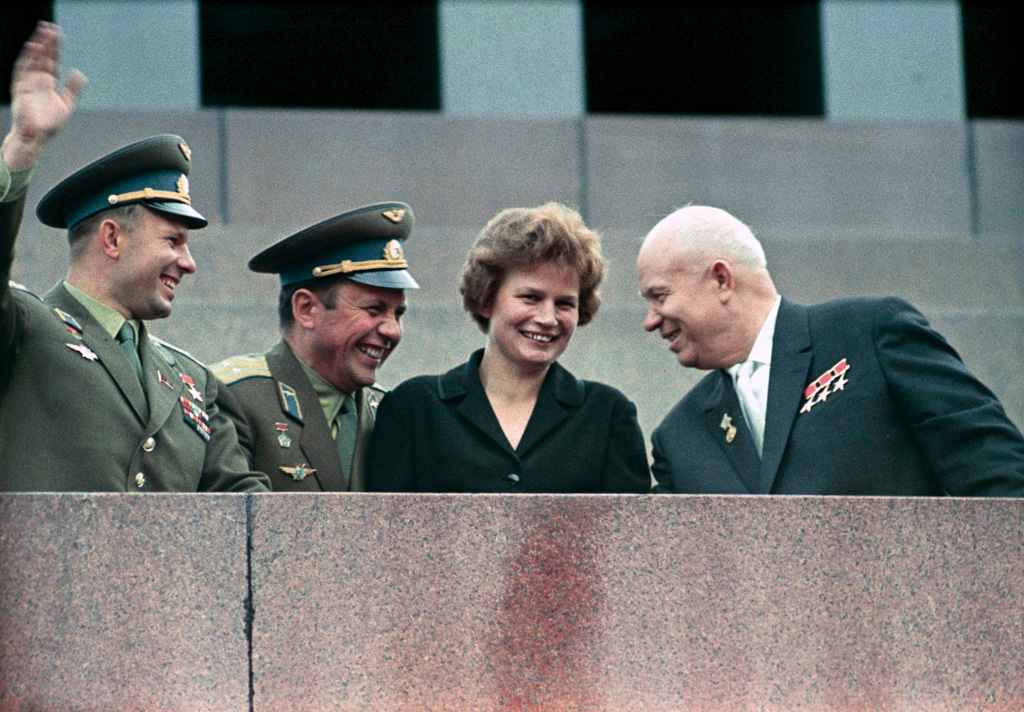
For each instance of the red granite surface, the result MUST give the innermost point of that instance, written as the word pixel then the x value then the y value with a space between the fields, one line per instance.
pixel 482 602
pixel 123 603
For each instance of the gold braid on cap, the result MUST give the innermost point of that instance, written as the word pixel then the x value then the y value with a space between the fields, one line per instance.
pixel 393 259
pixel 181 196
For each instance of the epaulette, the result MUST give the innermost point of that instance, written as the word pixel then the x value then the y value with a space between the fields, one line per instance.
pixel 22 288
pixel 168 350
pixel 238 368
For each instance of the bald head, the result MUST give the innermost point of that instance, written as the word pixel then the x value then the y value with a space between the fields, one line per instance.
pixel 708 292
pixel 700 234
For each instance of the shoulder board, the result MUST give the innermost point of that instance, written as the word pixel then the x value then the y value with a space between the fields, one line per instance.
pixel 168 350
pixel 238 368
pixel 22 288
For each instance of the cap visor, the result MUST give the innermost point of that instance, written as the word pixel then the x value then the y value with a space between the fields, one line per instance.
pixel 192 218
pixel 387 278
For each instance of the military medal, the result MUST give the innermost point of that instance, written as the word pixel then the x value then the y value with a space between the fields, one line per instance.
pixel 84 350
pixel 196 417
pixel 728 427
pixel 298 472
pixel 192 390
pixel 824 385
pixel 282 435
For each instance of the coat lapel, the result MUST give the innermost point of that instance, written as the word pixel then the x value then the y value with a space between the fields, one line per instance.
pixel 560 393
pixel 791 361
pixel 722 410
pixel 163 381
pixel 462 383
pixel 105 347
pixel 314 434
pixel 364 399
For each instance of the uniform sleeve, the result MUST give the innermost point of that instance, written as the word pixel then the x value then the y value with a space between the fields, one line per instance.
pixel 231 407
pixel 626 470
pixel 390 462
pixel 226 468
pixel 959 424
pixel 10 221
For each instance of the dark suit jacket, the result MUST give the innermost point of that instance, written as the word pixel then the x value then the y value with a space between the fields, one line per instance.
pixel 905 418
pixel 267 396
pixel 439 434
pixel 73 415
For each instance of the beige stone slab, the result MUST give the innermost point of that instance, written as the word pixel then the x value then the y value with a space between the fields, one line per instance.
pixel 294 168
pixel 779 173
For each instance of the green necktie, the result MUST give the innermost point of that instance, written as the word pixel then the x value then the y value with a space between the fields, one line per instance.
pixel 126 338
pixel 347 423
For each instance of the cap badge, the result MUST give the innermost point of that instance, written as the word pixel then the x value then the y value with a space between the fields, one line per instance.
pixel 824 385
pixel 183 184
pixel 185 151
pixel 393 251
pixel 395 215
pixel 728 427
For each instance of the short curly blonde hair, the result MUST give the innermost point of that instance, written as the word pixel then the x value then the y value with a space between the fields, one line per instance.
pixel 520 237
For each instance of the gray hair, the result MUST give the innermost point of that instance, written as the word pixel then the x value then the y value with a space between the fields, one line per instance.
pixel 705 233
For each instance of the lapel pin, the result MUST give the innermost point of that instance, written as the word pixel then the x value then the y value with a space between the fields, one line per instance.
pixel 728 427
pixel 824 385
pixel 164 380
pixel 84 350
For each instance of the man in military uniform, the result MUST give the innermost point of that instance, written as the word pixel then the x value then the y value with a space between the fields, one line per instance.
pixel 89 401
pixel 304 410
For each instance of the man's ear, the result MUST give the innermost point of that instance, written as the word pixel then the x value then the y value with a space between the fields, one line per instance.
pixel 305 308
pixel 111 237
pixel 725 281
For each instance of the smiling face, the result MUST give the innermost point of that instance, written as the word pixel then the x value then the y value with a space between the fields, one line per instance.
pixel 153 259
pixel 533 316
pixel 346 337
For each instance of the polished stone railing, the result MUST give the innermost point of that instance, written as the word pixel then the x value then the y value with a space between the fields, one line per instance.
pixel 481 602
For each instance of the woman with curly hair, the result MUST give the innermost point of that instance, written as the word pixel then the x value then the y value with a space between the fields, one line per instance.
pixel 511 419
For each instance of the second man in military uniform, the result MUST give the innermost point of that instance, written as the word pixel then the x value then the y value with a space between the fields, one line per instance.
pixel 304 410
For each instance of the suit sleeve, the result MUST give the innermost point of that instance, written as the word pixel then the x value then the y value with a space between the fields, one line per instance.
pixel 226 468
pixel 626 470
pixel 959 424
pixel 663 481
pixel 391 462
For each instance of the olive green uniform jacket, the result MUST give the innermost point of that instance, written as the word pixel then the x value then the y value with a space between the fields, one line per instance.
pixel 73 415
pixel 281 423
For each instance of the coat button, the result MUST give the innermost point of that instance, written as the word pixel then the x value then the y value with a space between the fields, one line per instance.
pixel 513 478
pixel 140 480
pixel 149 445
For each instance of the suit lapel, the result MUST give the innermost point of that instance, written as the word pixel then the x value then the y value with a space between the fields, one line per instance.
pixel 105 347
pixel 721 411
pixel 314 434
pixel 791 361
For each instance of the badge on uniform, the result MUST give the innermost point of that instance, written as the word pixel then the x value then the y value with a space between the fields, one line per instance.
pixel 728 427
pixel 87 353
pixel 195 417
pixel 69 322
pixel 374 400
pixel 824 385
pixel 298 472
pixel 164 380
pixel 289 400
pixel 282 434
pixel 192 390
